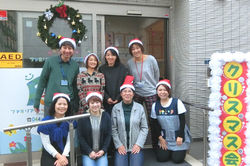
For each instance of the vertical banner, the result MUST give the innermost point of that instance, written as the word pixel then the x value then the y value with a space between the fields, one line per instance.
pixel 18 87
pixel 229 121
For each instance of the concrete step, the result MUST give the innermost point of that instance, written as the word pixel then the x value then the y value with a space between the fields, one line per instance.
pixel 150 160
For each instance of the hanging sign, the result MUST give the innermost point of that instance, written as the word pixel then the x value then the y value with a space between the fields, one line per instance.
pixel 11 60
pixel 229 98
pixel 3 15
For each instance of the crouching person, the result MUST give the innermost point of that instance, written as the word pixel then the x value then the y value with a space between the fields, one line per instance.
pixel 168 117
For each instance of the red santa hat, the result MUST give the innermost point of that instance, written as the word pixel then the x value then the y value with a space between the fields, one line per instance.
pixel 64 39
pixel 56 95
pixel 86 57
pixel 133 41
pixel 91 94
pixel 128 83
pixel 111 48
pixel 164 82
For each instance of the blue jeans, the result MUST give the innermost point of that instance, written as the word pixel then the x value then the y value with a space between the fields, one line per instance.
pixel 102 161
pixel 129 159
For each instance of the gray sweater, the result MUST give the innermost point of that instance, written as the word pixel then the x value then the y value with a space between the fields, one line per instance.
pixel 138 126
pixel 150 75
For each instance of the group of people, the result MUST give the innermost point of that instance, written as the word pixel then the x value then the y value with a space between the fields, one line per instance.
pixel 114 96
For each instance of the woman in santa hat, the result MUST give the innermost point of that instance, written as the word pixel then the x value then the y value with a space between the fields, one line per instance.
pixel 94 132
pixel 55 137
pixel 129 127
pixel 146 72
pixel 114 72
pixel 168 119
pixel 89 81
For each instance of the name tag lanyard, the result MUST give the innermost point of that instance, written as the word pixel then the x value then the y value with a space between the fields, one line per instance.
pixel 63 75
pixel 139 74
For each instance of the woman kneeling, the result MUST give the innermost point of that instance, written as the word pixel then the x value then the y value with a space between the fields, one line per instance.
pixel 168 117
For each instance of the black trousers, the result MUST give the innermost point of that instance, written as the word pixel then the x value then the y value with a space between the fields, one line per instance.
pixel 166 155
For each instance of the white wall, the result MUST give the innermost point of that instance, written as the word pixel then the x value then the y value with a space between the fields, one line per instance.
pixel 200 28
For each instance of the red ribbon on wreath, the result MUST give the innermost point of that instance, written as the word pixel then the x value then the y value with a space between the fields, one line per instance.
pixel 62 11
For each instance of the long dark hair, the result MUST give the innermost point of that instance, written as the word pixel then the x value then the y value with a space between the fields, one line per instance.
pixel 52 107
pixel 113 52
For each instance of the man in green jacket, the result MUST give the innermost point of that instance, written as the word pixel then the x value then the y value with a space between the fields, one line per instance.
pixel 59 75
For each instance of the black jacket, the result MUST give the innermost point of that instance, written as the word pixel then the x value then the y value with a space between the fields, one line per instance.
pixel 114 78
pixel 85 134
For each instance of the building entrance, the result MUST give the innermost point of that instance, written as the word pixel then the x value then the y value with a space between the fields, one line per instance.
pixel 151 31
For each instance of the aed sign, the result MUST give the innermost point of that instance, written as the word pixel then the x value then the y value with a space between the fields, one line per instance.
pixel 11 60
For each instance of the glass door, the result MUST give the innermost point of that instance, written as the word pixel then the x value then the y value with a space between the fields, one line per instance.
pixel 152 32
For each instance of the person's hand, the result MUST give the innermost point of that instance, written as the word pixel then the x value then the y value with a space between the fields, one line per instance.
pixel 36 110
pixel 110 101
pixel 122 150
pixel 100 153
pixel 60 163
pixel 92 155
pixel 163 143
pixel 61 160
pixel 65 160
pixel 179 141
pixel 116 101
pixel 57 163
pixel 136 149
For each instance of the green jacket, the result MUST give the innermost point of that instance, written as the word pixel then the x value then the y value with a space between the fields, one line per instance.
pixel 50 80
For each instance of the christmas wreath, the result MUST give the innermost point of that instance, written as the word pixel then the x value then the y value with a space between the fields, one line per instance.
pixel 63 12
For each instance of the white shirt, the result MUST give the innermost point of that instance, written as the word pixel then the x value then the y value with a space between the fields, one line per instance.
pixel 49 147
pixel 180 106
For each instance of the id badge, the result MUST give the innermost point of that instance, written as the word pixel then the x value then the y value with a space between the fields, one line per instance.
pixel 64 82
pixel 140 84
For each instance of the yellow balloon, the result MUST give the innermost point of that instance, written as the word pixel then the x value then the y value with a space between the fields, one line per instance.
pixel 232 88
pixel 232 124
pixel 231 158
pixel 233 70
pixel 232 142
pixel 232 106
